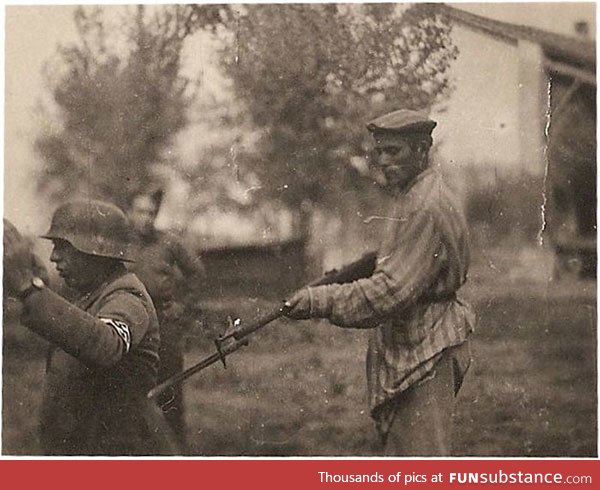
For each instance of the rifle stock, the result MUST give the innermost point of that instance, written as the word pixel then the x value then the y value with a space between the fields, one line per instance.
pixel 363 267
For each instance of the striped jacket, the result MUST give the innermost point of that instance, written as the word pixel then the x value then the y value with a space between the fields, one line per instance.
pixel 410 300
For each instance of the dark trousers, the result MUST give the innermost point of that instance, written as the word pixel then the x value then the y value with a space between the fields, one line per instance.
pixel 422 419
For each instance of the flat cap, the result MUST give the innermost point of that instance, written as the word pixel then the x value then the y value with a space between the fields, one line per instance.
pixel 402 121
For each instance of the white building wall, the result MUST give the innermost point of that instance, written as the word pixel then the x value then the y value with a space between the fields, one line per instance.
pixel 494 117
pixel 479 124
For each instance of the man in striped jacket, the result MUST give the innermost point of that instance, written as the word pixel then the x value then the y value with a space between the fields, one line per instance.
pixel 418 352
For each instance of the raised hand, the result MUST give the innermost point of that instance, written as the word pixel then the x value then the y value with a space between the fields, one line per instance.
pixel 19 261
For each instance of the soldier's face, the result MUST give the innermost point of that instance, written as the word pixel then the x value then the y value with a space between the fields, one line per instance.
pixel 142 214
pixel 76 268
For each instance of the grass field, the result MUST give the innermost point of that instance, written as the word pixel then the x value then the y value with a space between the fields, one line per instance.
pixel 299 387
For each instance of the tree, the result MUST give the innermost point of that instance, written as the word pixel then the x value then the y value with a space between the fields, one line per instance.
pixel 310 75
pixel 120 100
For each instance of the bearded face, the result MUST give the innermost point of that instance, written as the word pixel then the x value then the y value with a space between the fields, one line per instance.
pixel 398 162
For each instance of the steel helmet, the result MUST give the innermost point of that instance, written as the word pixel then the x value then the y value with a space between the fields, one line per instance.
pixel 93 227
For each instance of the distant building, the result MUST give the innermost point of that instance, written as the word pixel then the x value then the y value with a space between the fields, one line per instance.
pixel 531 105
pixel 505 76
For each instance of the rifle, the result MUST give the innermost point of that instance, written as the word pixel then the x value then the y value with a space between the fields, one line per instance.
pixel 236 336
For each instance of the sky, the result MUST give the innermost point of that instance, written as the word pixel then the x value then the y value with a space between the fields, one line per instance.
pixel 483 81
pixel 32 35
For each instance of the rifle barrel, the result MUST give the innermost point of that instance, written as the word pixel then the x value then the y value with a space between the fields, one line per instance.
pixel 226 349
pixel 245 330
pixel 363 267
pixel 179 377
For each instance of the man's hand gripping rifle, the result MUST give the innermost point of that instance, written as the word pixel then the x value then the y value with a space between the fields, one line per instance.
pixel 237 336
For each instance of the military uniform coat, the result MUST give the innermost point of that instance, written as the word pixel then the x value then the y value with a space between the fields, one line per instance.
pixel 103 361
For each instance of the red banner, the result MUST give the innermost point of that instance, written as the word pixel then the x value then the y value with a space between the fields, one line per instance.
pixel 267 474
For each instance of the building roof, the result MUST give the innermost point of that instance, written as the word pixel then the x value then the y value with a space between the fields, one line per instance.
pixel 557 46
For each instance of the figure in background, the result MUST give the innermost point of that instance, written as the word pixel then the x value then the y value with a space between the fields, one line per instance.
pixel 173 279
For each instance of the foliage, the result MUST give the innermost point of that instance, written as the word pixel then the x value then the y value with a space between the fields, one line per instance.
pixel 119 99
pixel 311 75
pixel 503 206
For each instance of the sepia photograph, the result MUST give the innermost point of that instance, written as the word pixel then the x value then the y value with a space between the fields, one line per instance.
pixel 300 230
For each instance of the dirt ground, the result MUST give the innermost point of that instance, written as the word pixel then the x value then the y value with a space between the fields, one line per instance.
pixel 299 387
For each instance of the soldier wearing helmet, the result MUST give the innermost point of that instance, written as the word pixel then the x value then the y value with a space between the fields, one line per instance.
pixel 104 343
pixel 418 350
